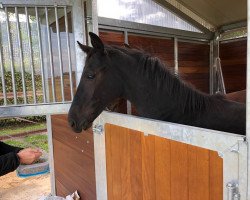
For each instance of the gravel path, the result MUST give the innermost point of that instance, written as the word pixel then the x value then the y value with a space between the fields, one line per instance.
pixel 15 188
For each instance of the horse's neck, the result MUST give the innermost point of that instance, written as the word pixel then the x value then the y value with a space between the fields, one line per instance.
pixel 162 102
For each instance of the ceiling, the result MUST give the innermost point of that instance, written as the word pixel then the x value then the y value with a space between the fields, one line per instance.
pixel 218 13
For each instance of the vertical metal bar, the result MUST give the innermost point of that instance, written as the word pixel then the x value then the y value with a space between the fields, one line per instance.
pixel 69 56
pixel 30 55
pixel 59 54
pixel 21 55
pixel 11 57
pixel 41 56
pixel 51 154
pixel 3 77
pixel 129 106
pixel 80 35
pixel 176 67
pixel 50 56
pixel 248 98
pixel 211 71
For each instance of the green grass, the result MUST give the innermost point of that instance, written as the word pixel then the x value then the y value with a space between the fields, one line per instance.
pixel 10 130
pixel 39 141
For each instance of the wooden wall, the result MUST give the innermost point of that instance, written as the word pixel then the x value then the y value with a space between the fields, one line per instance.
pixel 159 47
pixel 193 60
pixel 73 160
pixel 233 62
pixel 152 168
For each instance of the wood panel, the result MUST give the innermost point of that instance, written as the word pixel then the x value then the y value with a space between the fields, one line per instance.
pixel 148 167
pixel 233 63
pixel 112 37
pixel 159 47
pixel 193 60
pixel 73 160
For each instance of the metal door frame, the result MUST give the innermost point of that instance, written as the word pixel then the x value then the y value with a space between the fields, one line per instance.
pixel 231 147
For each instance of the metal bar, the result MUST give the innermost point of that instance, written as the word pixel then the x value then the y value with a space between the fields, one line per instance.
pixel 229 27
pixel 41 56
pixel 248 98
pixel 211 139
pixel 50 56
pixel 211 68
pixel 69 56
pixel 3 77
pixel 33 3
pixel 220 76
pixel 129 105
pixel 80 35
pixel 11 57
pixel 43 109
pixel 30 55
pixel 133 26
pixel 176 55
pixel 100 166
pixel 51 155
pixel 60 54
pixel 21 55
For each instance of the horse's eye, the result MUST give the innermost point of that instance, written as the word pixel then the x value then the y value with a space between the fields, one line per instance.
pixel 91 76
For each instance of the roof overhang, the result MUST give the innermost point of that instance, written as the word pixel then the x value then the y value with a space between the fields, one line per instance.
pixel 221 15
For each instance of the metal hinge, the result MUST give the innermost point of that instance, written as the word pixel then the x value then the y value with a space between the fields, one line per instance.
pixel 98 129
pixel 233 191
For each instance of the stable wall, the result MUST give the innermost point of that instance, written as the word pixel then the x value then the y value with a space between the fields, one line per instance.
pixel 233 62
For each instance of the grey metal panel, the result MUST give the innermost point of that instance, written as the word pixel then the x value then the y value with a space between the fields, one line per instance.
pixel 80 35
pixel 37 2
pixel 51 155
pixel 33 110
pixel 233 26
pixel 150 29
pixel 248 99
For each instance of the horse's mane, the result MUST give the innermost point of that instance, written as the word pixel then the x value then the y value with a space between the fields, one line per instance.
pixel 163 78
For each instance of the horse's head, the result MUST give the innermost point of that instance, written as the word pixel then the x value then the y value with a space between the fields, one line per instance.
pixel 97 88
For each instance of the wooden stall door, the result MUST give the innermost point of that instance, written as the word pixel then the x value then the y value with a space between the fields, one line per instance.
pixel 143 167
pixel 74 163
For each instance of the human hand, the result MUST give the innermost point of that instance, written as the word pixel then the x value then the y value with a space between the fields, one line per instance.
pixel 28 156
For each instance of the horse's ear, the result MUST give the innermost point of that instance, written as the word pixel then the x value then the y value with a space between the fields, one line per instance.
pixel 96 42
pixel 85 48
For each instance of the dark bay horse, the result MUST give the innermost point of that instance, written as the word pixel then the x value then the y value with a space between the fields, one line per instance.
pixel 112 72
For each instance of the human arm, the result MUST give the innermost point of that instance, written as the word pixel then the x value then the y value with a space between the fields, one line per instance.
pixel 11 157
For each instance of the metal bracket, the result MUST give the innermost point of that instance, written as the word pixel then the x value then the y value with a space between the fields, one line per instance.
pixel 98 129
pixel 233 191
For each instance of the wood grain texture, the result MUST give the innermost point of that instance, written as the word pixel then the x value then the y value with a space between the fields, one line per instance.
pixel 73 160
pixel 215 169
pixel 159 47
pixel 233 63
pixel 159 169
pixel 193 61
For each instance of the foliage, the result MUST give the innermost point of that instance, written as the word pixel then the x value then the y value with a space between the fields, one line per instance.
pixel 20 100
pixel 18 82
